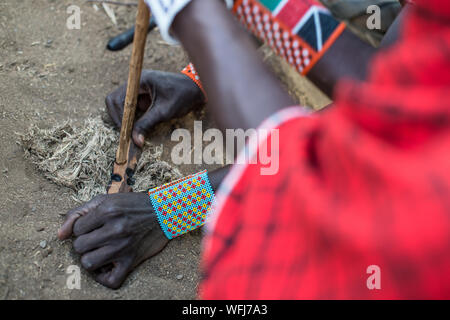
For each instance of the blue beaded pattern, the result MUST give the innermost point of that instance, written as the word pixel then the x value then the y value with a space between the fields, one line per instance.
pixel 182 205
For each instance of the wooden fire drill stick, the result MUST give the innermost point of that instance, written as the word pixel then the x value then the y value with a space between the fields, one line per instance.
pixel 127 154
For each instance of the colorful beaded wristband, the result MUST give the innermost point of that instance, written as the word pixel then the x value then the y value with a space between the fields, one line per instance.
pixel 190 71
pixel 182 205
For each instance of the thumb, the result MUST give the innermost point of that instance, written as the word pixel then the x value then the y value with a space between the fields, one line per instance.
pixel 66 230
pixel 144 124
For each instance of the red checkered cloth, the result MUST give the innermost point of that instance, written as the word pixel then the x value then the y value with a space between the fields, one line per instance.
pixel 365 183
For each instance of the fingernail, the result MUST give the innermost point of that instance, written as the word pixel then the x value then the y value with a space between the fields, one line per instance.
pixel 141 139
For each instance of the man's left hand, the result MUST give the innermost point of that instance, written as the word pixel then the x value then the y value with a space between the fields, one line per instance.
pixel 114 233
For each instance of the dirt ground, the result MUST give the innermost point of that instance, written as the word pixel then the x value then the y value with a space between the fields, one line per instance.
pixel 48 74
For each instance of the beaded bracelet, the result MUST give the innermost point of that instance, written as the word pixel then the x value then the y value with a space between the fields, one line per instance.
pixel 182 205
pixel 190 71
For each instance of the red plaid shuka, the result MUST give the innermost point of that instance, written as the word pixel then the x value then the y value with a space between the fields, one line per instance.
pixel 365 183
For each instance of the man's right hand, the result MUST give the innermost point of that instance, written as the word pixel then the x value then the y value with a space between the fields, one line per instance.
pixel 162 96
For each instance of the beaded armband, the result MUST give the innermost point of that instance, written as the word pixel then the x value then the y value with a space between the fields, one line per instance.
pixel 300 31
pixel 182 205
pixel 190 71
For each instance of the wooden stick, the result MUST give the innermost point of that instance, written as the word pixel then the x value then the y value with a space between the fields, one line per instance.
pixel 123 159
pixel 134 78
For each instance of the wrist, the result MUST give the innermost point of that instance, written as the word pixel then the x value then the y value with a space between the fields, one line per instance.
pixel 199 93
pixel 183 205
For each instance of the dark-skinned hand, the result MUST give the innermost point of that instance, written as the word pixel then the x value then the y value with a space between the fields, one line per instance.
pixel 113 234
pixel 162 97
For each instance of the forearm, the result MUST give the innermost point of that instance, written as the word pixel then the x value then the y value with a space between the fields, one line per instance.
pixel 341 60
pixel 350 57
pixel 241 90
pixel 393 34
pixel 216 176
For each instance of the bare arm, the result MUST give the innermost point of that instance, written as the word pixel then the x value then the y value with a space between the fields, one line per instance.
pixel 241 90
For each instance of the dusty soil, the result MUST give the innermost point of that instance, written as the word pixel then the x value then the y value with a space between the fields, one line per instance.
pixel 49 74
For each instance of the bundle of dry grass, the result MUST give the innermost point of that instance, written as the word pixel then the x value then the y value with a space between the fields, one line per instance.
pixel 81 158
